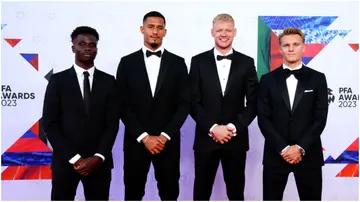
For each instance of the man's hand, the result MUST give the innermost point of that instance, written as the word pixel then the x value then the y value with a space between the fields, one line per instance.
pixel 78 163
pixel 297 160
pixel 85 166
pixel 153 144
pixel 162 139
pixel 231 129
pixel 292 155
pixel 221 134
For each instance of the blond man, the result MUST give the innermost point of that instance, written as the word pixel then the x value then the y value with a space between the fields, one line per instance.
pixel 222 78
pixel 292 113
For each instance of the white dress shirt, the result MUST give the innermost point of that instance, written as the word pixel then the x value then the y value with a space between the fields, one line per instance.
pixel 223 69
pixel 80 76
pixel 152 64
pixel 291 83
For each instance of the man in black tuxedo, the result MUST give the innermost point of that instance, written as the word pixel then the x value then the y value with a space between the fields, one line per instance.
pixel 292 107
pixel 81 121
pixel 221 80
pixel 156 102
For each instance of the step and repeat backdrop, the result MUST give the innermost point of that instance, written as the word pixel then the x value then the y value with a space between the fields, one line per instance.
pixel 35 43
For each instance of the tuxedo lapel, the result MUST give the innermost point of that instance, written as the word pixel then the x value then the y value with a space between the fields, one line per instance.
pixel 212 70
pixel 74 89
pixel 298 95
pixel 302 81
pixel 281 81
pixel 143 75
pixel 164 65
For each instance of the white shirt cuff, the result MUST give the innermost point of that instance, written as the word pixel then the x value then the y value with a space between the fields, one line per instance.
pixel 230 125
pixel 212 127
pixel 74 159
pixel 144 134
pixel 302 151
pixel 282 151
pixel 101 156
pixel 166 135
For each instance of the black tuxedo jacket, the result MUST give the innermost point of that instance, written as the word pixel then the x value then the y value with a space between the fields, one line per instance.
pixel 209 106
pixel 302 124
pixel 67 126
pixel 166 111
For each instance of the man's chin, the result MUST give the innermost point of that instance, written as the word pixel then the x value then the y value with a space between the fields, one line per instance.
pixel 154 45
pixel 292 61
pixel 224 46
pixel 87 60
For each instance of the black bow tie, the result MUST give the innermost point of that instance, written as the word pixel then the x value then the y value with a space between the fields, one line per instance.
pixel 221 57
pixel 296 73
pixel 150 53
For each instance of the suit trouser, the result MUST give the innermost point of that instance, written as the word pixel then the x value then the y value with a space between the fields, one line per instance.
pixel 206 165
pixel 137 160
pixel 96 184
pixel 308 182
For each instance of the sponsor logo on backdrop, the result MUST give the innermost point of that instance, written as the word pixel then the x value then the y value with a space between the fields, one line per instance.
pixel 11 97
pixel 331 97
pixel 29 157
pixel 345 97
pixel 348 98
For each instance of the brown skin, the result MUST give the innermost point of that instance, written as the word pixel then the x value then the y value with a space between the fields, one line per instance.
pixel 77 166
pixel 84 166
pixel 154 31
pixel 85 49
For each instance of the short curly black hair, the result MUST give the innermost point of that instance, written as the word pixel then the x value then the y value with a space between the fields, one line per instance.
pixel 84 30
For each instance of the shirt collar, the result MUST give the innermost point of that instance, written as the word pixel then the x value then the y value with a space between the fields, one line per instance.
pixel 80 71
pixel 144 49
pixel 216 52
pixel 296 68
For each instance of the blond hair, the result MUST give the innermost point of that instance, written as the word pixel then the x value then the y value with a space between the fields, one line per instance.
pixel 291 31
pixel 224 17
